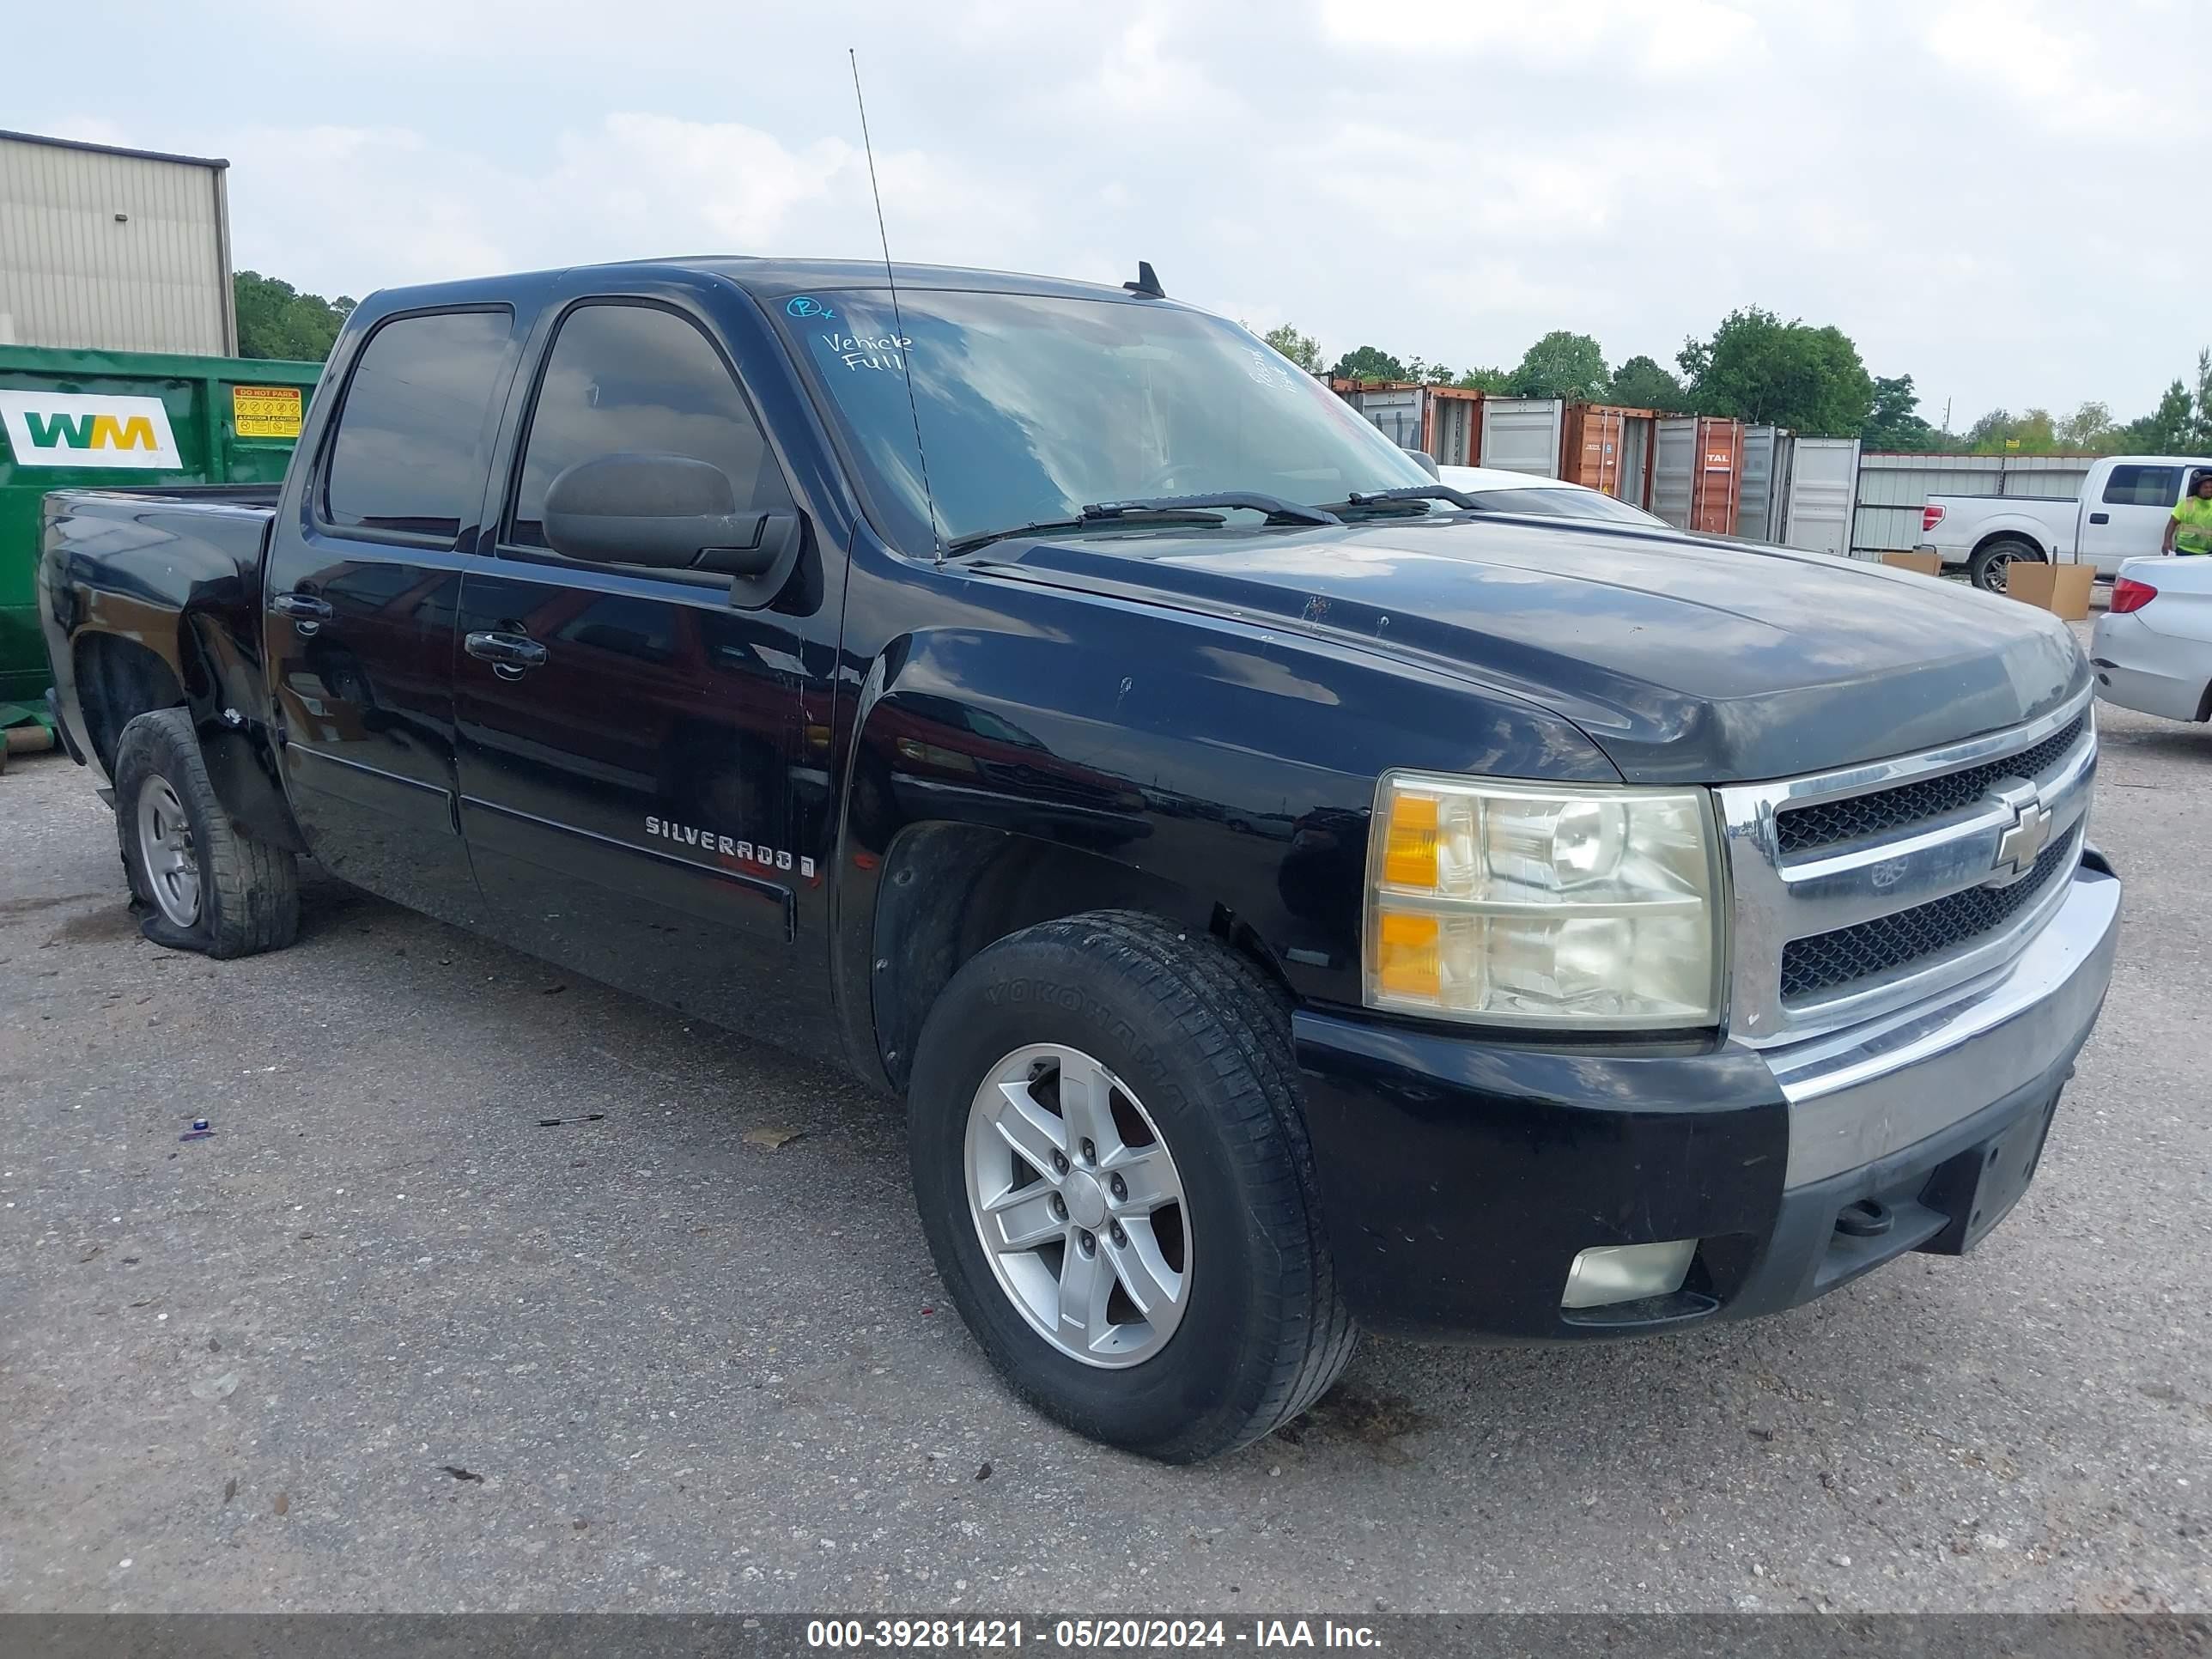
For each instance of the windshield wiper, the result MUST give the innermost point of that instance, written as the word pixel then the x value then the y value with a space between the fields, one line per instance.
pixel 1411 496
pixel 1092 517
pixel 1278 510
pixel 1161 509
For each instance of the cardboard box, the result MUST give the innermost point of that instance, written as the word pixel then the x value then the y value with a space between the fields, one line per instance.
pixel 1928 564
pixel 2061 589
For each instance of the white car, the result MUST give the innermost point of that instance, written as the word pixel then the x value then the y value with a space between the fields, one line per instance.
pixel 1500 491
pixel 2152 649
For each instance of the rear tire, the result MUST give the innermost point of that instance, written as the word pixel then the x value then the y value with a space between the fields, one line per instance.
pixel 210 886
pixel 1986 569
pixel 1195 1046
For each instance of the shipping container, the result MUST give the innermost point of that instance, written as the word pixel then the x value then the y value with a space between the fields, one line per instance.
pixel 1607 446
pixel 95 419
pixel 1765 497
pixel 1696 479
pixel 1442 421
pixel 1453 434
pixel 113 250
pixel 1893 488
pixel 1822 489
pixel 1522 434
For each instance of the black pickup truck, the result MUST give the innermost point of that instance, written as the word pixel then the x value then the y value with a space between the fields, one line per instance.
pixel 1290 897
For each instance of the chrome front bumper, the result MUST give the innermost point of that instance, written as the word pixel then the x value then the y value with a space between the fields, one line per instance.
pixel 1877 1088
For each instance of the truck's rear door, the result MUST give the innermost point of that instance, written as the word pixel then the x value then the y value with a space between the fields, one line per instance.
pixel 361 591
pixel 2126 519
pixel 629 736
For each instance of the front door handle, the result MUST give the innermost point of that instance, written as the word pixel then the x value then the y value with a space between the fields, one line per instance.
pixel 307 612
pixel 511 655
pixel 2101 517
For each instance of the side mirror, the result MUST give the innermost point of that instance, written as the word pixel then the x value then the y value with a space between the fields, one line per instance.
pixel 668 512
pixel 1423 459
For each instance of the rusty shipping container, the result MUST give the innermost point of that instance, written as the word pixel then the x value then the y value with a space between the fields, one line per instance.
pixel 1607 446
pixel 1697 478
pixel 1442 421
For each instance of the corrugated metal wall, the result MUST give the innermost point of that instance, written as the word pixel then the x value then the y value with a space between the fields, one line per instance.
pixel 1766 482
pixel 1395 410
pixel 73 274
pixel 1606 446
pixel 1822 479
pixel 1697 472
pixel 1892 489
pixel 1522 434
pixel 1454 431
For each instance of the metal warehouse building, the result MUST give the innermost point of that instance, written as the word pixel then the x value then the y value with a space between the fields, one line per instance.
pixel 113 250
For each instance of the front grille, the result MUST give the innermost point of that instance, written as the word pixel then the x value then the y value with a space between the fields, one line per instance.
pixel 1825 960
pixel 1831 823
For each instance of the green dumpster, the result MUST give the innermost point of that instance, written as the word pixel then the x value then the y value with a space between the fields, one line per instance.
pixel 75 420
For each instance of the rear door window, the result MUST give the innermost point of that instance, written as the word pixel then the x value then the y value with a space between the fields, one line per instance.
pixel 2143 486
pixel 632 379
pixel 406 461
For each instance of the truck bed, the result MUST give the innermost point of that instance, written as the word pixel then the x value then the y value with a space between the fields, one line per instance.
pixel 1994 495
pixel 143 584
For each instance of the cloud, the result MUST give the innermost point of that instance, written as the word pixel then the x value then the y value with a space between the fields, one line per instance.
pixel 2067 80
pixel 1680 38
pixel 740 186
pixel 1986 194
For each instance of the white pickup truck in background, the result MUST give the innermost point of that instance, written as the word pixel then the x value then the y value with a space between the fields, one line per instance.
pixel 2120 515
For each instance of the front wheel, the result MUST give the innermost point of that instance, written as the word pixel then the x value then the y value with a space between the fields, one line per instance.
pixel 1987 568
pixel 1115 1181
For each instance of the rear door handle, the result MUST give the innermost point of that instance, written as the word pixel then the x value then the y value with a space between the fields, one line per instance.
pixel 511 655
pixel 2101 517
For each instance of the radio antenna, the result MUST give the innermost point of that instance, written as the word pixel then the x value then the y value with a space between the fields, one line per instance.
pixel 905 351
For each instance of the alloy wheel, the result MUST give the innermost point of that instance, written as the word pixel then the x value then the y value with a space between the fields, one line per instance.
pixel 165 847
pixel 1079 1205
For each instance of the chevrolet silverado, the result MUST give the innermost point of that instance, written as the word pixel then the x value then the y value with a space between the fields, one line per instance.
pixel 1289 899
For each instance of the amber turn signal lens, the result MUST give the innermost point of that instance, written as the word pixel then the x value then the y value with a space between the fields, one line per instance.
pixel 1411 858
pixel 1409 963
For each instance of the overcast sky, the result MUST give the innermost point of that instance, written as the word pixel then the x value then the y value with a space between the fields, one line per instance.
pixel 2003 198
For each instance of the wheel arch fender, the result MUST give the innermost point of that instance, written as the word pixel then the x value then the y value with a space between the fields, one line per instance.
pixel 2033 535
pixel 1067 751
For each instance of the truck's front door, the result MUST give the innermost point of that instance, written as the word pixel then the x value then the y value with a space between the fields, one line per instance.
pixel 2126 519
pixel 363 580
pixel 631 741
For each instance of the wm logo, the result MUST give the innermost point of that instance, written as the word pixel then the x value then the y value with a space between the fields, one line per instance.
pixel 90 431
pixel 86 430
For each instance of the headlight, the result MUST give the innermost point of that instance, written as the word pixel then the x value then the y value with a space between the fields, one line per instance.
pixel 1519 904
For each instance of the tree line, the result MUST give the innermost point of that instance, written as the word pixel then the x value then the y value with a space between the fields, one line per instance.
pixel 1757 367
pixel 1754 367
pixel 275 319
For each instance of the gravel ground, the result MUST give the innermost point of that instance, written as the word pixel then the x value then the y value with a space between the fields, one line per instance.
pixel 384 1342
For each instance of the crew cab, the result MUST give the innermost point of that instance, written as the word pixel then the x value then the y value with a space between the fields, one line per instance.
pixel 1289 898
pixel 2120 513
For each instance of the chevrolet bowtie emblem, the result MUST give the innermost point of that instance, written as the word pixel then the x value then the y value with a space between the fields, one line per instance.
pixel 2025 837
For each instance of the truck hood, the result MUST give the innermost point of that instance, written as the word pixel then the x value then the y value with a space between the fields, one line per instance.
pixel 1685 660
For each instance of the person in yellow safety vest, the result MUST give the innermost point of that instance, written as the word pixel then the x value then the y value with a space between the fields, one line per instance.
pixel 2190 529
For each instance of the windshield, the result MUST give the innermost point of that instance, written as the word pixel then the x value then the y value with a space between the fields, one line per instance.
pixel 1032 407
pixel 1563 504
